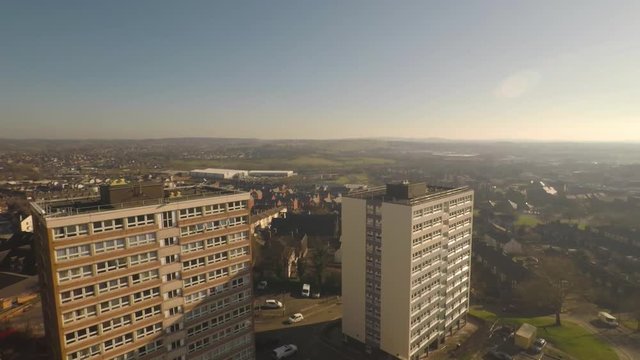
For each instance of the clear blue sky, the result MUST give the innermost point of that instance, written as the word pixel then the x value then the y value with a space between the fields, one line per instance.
pixel 545 70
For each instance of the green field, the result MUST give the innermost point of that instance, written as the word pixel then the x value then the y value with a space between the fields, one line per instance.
pixel 527 220
pixel 295 163
pixel 570 337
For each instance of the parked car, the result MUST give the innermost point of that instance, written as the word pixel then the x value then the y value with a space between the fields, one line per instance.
pixel 538 345
pixel 499 355
pixel 608 319
pixel 262 285
pixel 272 304
pixel 297 317
pixel 306 290
pixel 316 295
pixel 284 351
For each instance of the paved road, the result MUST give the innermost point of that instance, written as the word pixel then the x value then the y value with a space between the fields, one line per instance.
pixel 623 341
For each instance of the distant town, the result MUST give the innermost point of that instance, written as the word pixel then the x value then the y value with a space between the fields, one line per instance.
pixel 278 248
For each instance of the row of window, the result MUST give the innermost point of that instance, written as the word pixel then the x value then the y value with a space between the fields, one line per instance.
pixel 215 258
pixel 217 320
pixel 90 290
pixel 218 305
pixel 461 212
pixel 212 225
pixel 219 335
pixel 211 209
pixel 424 264
pixel 213 291
pixel 459 224
pixel 74 252
pixel 224 351
pixel 460 201
pixel 418 293
pixel 427 211
pixel 426 251
pixel 417 281
pixel 70 231
pixel 427 224
pixel 419 240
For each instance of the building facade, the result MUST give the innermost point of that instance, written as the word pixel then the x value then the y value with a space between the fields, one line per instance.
pixel 406 284
pixel 146 273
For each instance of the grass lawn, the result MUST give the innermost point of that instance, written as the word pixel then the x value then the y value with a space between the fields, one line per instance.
pixel 570 337
pixel 527 220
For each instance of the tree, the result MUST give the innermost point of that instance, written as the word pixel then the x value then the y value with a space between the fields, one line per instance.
pixel 556 278
pixel 320 261
pixel 301 267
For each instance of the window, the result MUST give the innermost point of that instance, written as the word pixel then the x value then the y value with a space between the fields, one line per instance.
pixel 216 241
pixel 118 341
pixel 173 311
pixel 195 280
pixel 108 245
pixel 140 220
pixel 77 294
pixel 235 268
pixel 214 209
pixel 85 353
pixel 237 237
pixel 144 276
pixel 172 294
pixel 149 348
pixel 234 253
pixel 149 330
pixel 107 225
pixel 170 241
pixel 112 285
pixel 111 265
pixel 143 258
pixel 170 259
pixel 236 205
pixel 114 304
pixel 194 246
pixel 116 323
pixel 168 219
pixel 192 229
pixel 75 273
pixel 142 239
pixel 236 221
pixel 70 231
pixel 189 213
pixel 73 252
pixel 175 344
pixel 79 314
pixel 146 294
pixel 175 327
pixel 171 276
pixel 218 273
pixel 147 313
pixel 193 264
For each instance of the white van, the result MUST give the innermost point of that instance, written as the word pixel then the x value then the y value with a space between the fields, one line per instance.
pixel 606 318
pixel 306 290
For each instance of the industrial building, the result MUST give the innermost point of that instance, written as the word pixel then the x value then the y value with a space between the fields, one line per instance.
pixel 211 173
pixel 142 272
pixel 271 173
pixel 405 285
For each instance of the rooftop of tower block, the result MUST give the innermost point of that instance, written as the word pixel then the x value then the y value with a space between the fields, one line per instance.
pixel 125 195
pixel 406 193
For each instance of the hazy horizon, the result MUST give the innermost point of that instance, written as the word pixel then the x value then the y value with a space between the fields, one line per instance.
pixel 464 71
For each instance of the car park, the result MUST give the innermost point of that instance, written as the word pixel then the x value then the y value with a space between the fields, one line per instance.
pixel 297 317
pixel 284 351
pixel 272 304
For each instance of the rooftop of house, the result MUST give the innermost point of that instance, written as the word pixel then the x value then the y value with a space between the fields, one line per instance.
pixel 406 193
pixel 125 195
